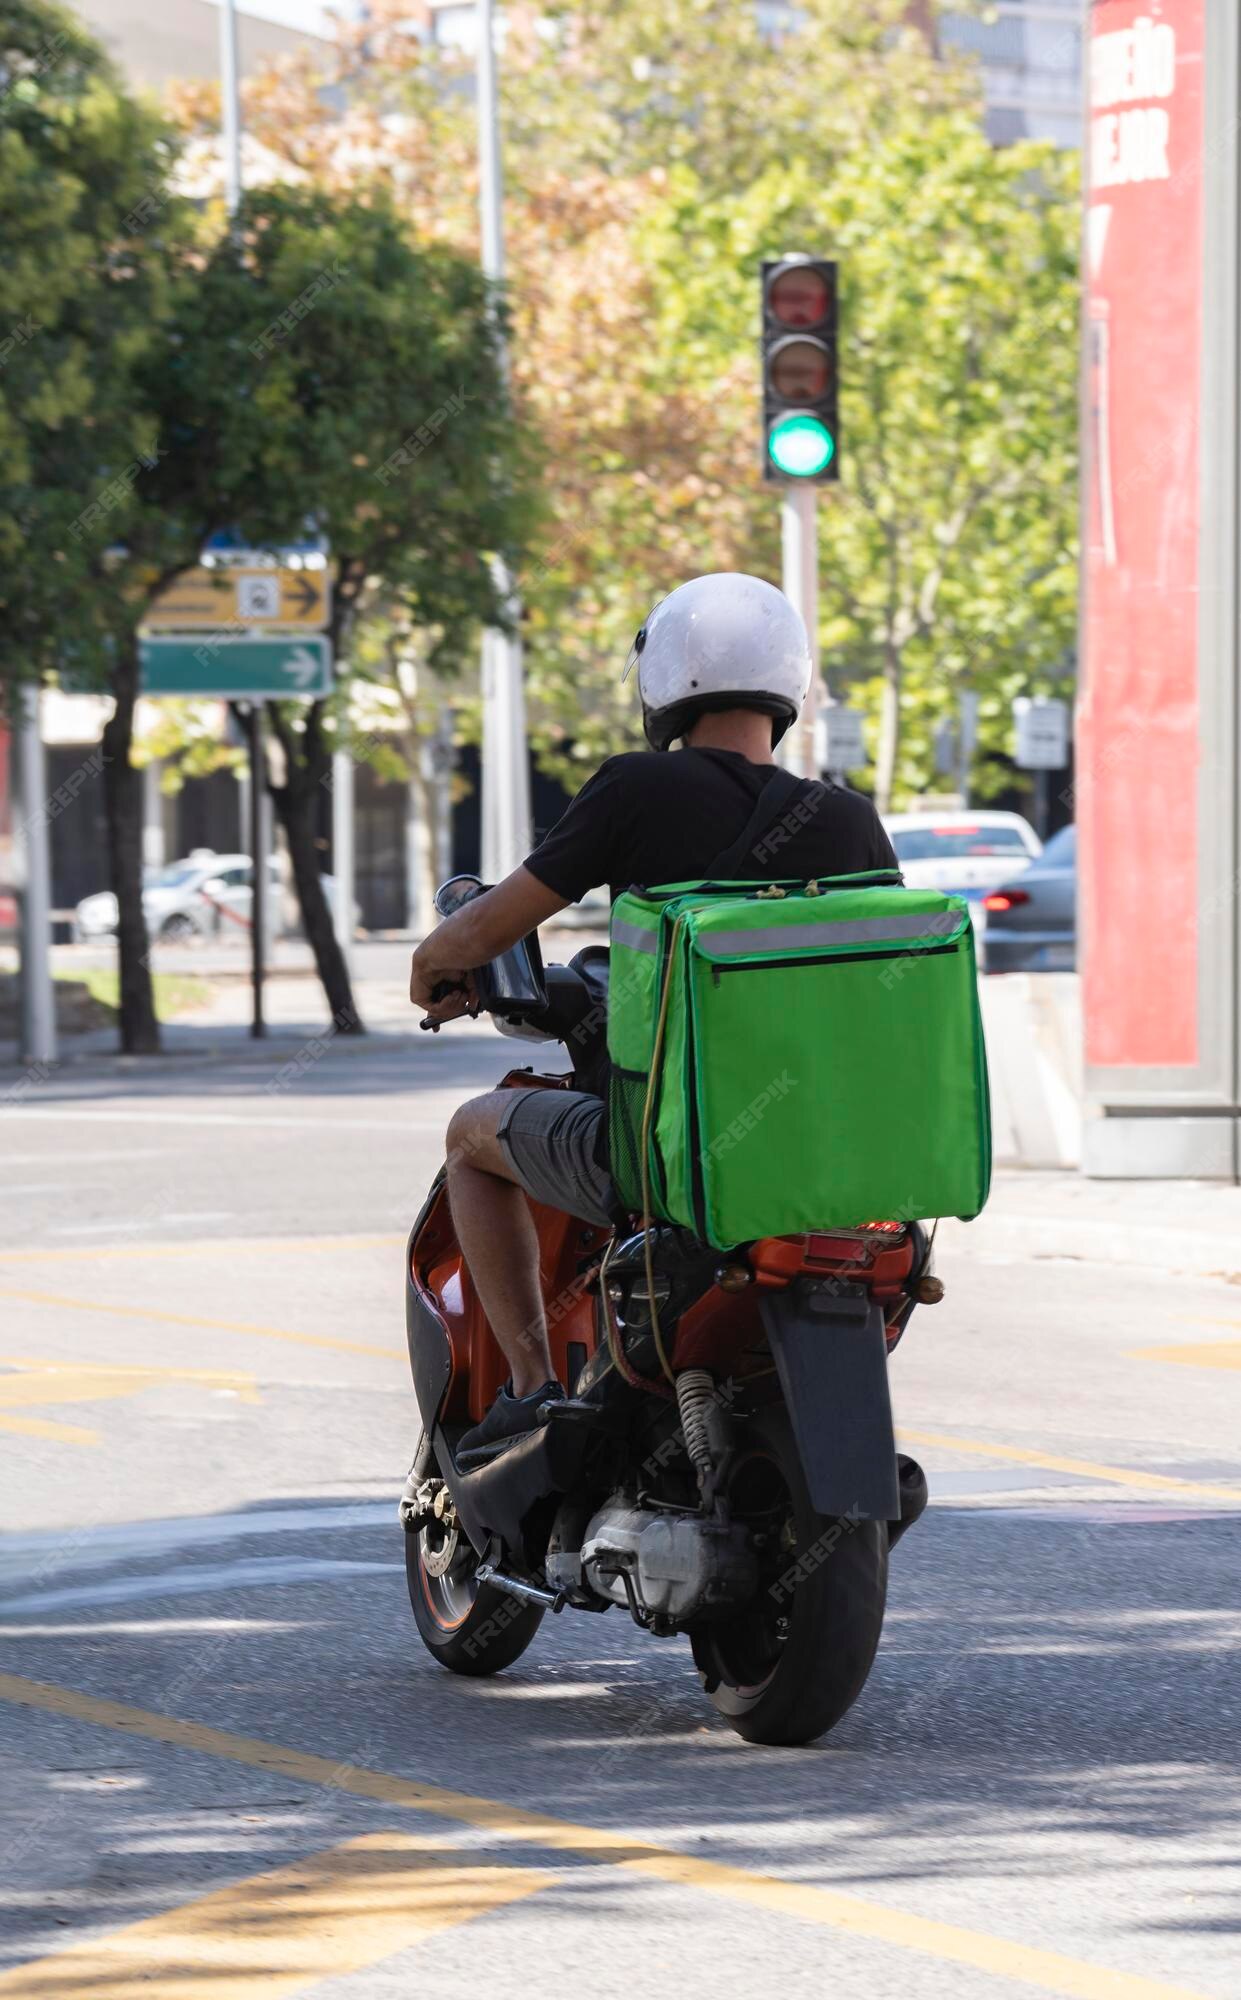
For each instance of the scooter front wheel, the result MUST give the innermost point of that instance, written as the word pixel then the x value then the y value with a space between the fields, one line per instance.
pixel 470 1627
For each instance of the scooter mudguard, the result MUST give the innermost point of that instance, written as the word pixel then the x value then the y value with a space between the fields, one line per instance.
pixel 831 1356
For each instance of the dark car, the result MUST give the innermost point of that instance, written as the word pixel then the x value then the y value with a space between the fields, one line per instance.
pixel 1031 922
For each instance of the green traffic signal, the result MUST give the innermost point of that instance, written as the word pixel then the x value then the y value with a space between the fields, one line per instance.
pixel 800 445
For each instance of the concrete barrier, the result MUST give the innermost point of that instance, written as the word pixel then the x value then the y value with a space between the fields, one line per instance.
pixel 1033 1028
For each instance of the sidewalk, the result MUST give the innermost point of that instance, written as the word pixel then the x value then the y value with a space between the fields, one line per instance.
pixel 1191 1226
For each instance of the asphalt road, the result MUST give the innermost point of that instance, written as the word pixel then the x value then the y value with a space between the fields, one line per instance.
pixel 230 1770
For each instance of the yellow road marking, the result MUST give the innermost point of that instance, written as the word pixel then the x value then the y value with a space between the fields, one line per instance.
pixel 1086 1468
pixel 42 1427
pixel 1051 1971
pixel 196 1320
pixel 1196 1354
pixel 285 1930
pixel 34 1383
pixel 205 1246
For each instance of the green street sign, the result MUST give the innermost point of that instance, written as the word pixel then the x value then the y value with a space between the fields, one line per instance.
pixel 228 666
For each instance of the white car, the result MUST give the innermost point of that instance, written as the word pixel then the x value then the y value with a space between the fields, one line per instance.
pixel 206 895
pixel 965 853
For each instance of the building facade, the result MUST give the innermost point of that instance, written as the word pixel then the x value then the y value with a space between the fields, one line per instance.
pixel 179 40
pixel 1031 57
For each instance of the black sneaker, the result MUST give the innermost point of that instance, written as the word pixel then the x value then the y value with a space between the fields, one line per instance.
pixel 509 1418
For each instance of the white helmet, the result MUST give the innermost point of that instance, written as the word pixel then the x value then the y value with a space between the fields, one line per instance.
pixel 723 641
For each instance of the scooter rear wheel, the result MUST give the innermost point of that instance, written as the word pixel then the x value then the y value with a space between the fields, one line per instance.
pixel 792 1661
pixel 469 1627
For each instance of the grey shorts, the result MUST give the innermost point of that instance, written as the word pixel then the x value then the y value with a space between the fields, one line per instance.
pixel 550 1139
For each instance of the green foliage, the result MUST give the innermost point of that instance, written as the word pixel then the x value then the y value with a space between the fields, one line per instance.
pixel 178 377
pixel 948 551
pixel 319 369
pixel 81 299
pixel 949 548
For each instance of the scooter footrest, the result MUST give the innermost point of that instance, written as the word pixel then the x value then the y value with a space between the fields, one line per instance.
pixel 593 1416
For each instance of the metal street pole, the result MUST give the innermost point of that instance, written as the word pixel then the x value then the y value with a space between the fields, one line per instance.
pixel 967 737
pixel 505 769
pixel 258 867
pixel 38 1006
pixel 230 108
pixel 799 524
pixel 230 146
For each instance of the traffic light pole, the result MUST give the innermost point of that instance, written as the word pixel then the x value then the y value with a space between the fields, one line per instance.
pixel 505 769
pixel 258 867
pixel 799 523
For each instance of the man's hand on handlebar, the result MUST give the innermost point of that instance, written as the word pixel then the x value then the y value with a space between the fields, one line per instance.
pixel 478 932
pixel 443 996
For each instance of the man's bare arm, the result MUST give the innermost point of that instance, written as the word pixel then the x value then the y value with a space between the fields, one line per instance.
pixel 479 930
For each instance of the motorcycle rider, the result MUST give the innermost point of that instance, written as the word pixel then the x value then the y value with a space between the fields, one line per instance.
pixel 723 668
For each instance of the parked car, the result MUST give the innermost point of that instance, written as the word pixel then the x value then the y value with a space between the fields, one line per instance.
pixel 965 853
pixel 1031 922
pixel 206 895
pixel 174 901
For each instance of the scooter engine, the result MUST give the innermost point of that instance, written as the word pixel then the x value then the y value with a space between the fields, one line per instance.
pixel 667 1566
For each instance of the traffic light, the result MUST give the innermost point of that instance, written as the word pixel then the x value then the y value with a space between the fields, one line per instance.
pixel 800 437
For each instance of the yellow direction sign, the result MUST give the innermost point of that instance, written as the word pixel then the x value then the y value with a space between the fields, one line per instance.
pixel 243 598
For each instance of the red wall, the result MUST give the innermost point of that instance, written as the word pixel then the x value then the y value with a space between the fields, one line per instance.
pixel 1138 720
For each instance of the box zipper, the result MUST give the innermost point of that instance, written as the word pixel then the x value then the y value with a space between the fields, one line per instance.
pixel 828 957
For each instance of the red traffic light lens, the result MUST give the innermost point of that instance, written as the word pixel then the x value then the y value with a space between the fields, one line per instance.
pixel 800 371
pixel 799 296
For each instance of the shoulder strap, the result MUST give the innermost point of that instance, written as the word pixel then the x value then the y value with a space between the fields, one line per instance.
pixel 773 802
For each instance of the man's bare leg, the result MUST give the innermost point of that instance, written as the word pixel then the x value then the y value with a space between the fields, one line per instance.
pixel 496 1232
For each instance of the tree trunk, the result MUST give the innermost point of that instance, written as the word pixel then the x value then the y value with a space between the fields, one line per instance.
pixel 889 729
pixel 296 804
pixel 122 786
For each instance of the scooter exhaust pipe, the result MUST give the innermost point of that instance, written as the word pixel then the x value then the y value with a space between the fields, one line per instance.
pixel 530 1593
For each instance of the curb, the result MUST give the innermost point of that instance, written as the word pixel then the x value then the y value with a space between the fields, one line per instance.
pixel 1145 1244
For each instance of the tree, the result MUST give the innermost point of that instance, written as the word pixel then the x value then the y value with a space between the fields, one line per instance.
pixel 654 154
pixel 82 170
pixel 949 548
pixel 322 368
pixel 182 377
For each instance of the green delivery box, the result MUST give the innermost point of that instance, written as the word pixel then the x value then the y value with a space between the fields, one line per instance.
pixel 805 1060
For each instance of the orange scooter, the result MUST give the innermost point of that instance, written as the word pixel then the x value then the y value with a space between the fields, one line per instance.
pixel 724 1463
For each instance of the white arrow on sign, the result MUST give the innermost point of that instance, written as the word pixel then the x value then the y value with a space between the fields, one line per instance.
pixel 302 666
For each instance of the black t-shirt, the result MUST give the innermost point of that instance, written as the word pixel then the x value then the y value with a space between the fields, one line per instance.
pixel 663 816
